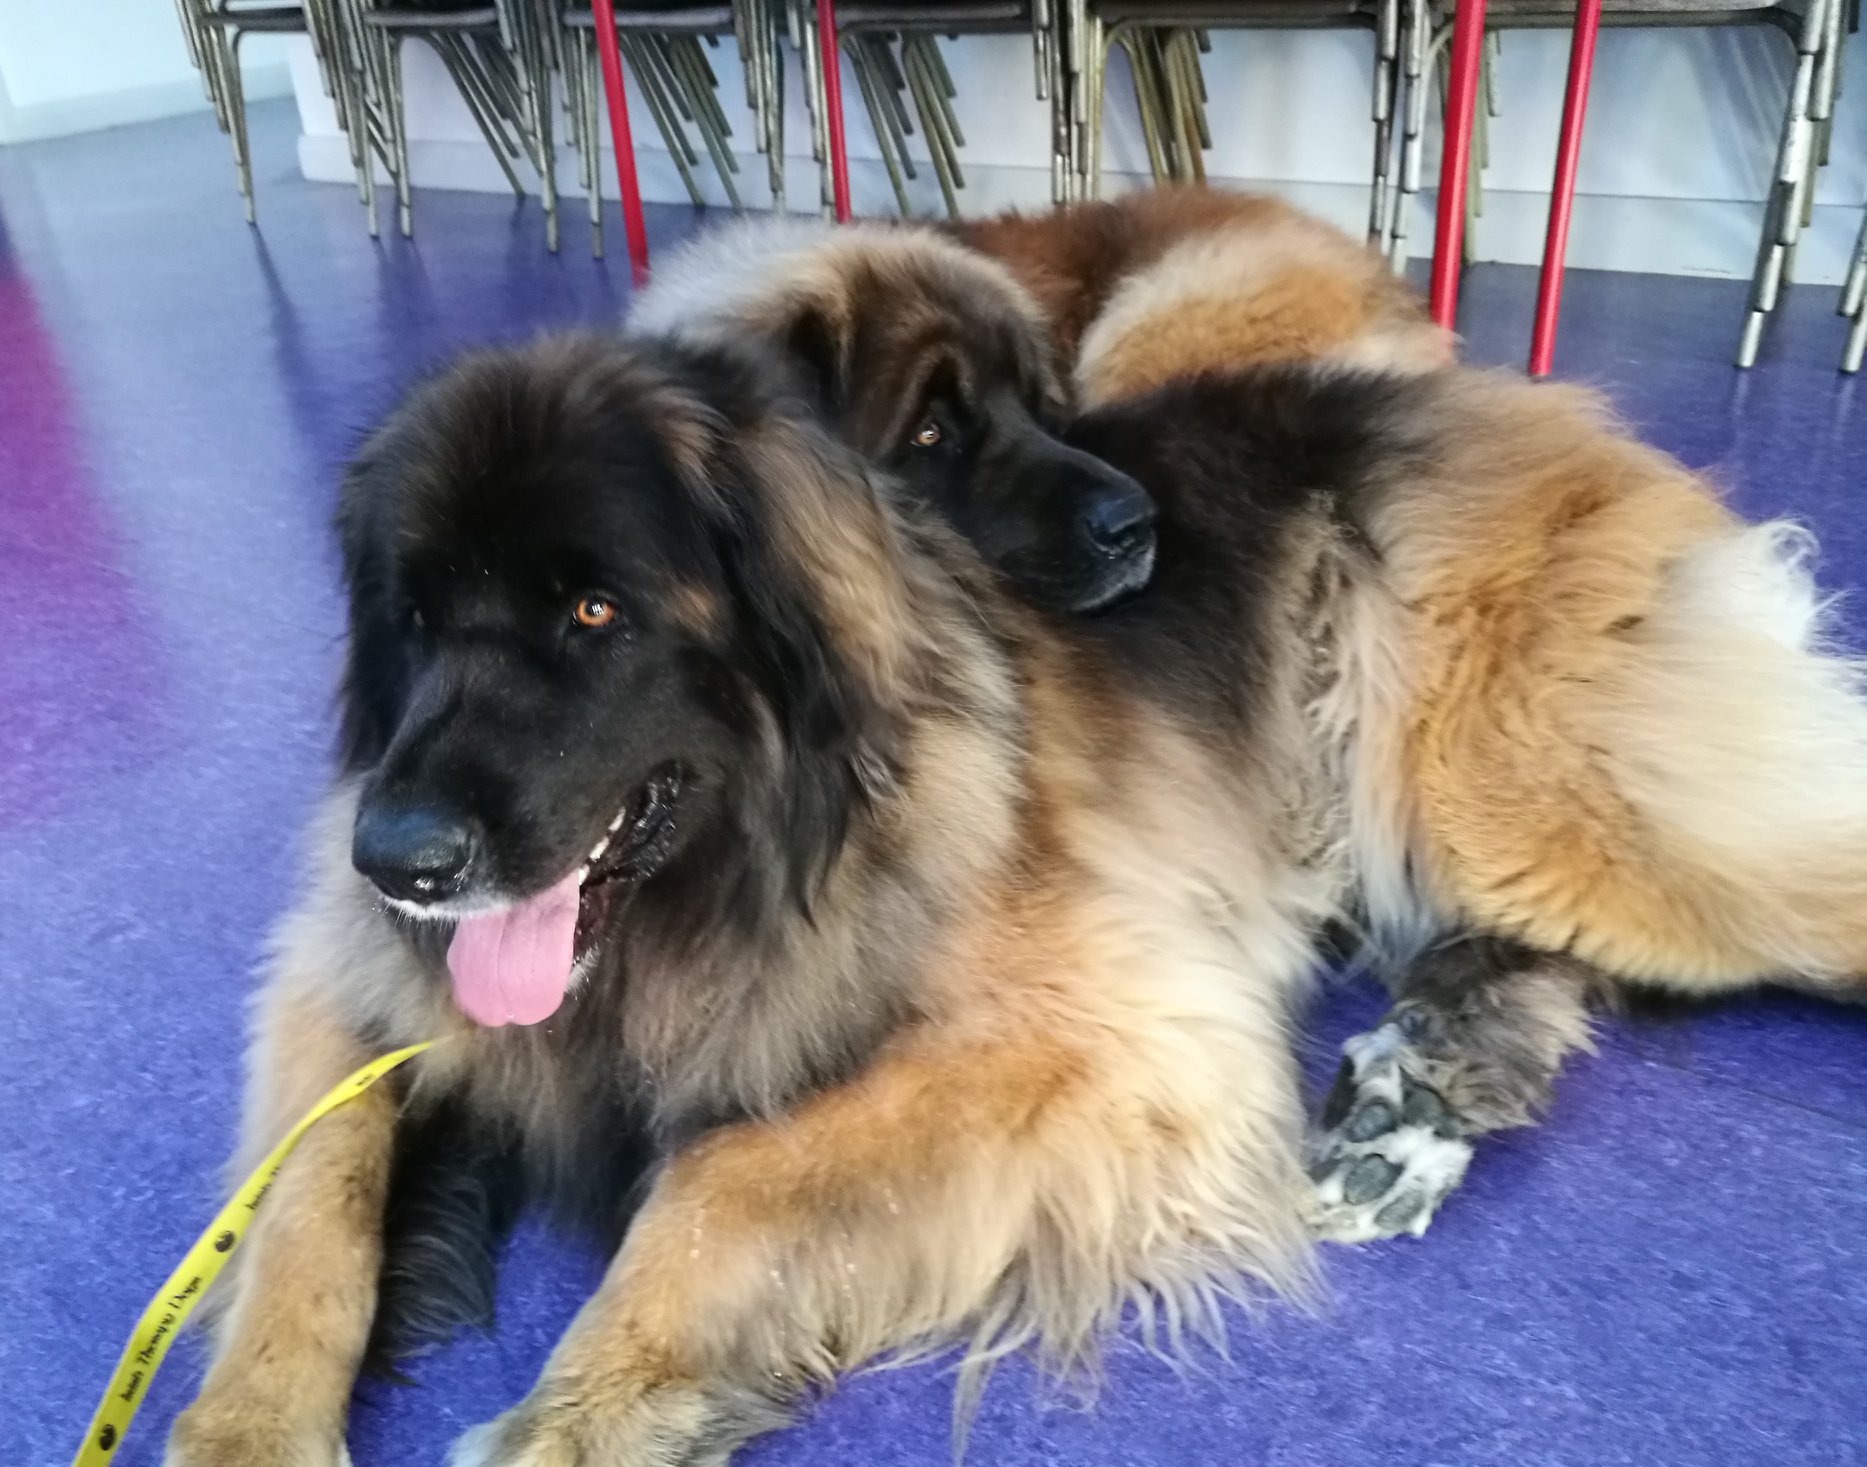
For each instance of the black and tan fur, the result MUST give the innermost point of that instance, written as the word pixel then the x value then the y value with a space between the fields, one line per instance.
pixel 1166 283
pixel 954 1006
pixel 1592 718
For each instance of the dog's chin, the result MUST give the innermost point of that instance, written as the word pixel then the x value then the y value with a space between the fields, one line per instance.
pixel 1092 587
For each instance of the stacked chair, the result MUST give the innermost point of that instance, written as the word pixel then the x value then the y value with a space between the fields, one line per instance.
pixel 213 29
pixel 497 57
pixel 666 48
pixel 1163 39
pixel 894 53
pixel 505 56
pixel 1814 28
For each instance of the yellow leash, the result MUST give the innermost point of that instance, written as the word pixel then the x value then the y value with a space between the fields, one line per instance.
pixel 177 1298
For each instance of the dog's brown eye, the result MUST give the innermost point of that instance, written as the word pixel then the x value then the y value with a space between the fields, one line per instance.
pixel 927 435
pixel 595 611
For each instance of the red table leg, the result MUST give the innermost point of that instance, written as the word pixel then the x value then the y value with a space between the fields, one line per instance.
pixel 1468 49
pixel 609 48
pixel 832 53
pixel 1562 194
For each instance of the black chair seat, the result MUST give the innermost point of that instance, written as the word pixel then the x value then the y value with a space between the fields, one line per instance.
pixel 1671 12
pixel 697 19
pixel 421 18
pixel 1219 14
pixel 934 15
pixel 280 19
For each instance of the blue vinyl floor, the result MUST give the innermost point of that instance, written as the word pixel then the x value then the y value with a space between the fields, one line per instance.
pixel 1672 1271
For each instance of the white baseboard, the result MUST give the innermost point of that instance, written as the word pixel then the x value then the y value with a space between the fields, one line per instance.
pixel 29 122
pixel 1707 237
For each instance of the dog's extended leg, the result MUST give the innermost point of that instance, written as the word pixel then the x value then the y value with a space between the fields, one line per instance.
pixel 302 1290
pixel 771 1255
pixel 1473 1045
pixel 891 1211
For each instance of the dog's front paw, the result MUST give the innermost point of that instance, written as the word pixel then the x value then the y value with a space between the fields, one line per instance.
pixel 213 1434
pixel 1389 1150
pixel 512 1441
pixel 563 1428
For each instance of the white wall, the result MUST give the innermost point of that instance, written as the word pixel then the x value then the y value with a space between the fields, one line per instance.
pixel 74 65
pixel 1681 133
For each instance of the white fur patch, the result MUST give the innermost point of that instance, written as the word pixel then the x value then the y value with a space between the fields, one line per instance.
pixel 726 268
pixel 1229 265
pixel 1739 729
pixel 1381 1172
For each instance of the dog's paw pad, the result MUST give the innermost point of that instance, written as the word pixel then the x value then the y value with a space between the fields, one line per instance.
pixel 1388 1151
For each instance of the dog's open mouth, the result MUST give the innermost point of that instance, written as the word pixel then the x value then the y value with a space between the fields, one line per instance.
pixel 515 965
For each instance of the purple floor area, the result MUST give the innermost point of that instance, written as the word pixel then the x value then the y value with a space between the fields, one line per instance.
pixel 1672 1271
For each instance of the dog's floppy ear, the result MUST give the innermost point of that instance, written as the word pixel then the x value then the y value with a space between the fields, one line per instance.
pixel 827 684
pixel 815 701
pixel 374 660
pixel 818 346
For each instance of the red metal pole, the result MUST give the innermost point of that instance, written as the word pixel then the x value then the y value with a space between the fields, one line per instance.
pixel 609 48
pixel 832 53
pixel 1468 49
pixel 1562 194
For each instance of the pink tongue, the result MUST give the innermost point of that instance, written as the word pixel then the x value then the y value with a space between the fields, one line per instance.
pixel 512 967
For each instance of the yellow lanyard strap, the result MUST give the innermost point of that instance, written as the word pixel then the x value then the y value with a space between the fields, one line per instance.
pixel 177 1298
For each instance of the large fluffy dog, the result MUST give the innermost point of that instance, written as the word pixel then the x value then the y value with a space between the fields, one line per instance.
pixel 712 804
pixel 1587 727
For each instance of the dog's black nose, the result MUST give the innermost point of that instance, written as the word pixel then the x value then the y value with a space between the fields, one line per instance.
pixel 1118 519
pixel 416 853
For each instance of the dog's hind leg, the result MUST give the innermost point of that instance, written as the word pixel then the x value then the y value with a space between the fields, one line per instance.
pixel 1472 1046
pixel 301 1293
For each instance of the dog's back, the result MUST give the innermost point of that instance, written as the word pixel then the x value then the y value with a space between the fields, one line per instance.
pixel 1569 697
pixel 1171 282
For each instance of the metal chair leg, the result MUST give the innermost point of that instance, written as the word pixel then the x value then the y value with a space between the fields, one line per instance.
pixel 398 135
pixel 716 127
pixel 696 81
pixel 1421 57
pixel 809 49
pixel 1468 40
pixel 1854 303
pixel 535 81
pixel 1794 165
pixel 1384 86
pixel 1192 81
pixel 1856 348
pixel 1854 292
pixel 1134 46
pixel 1095 80
pixel 881 118
pixel 833 108
pixel 1562 192
pixel 480 107
pixel 924 87
pixel 616 96
pixel 589 89
pixel 679 149
pixel 222 53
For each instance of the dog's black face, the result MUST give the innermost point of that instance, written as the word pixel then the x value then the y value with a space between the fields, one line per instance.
pixel 553 684
pixel 943 381
pixel 1065 528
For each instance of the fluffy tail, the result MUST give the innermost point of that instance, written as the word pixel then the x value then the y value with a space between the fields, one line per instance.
pixel 1633 737
pixel 1737 731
